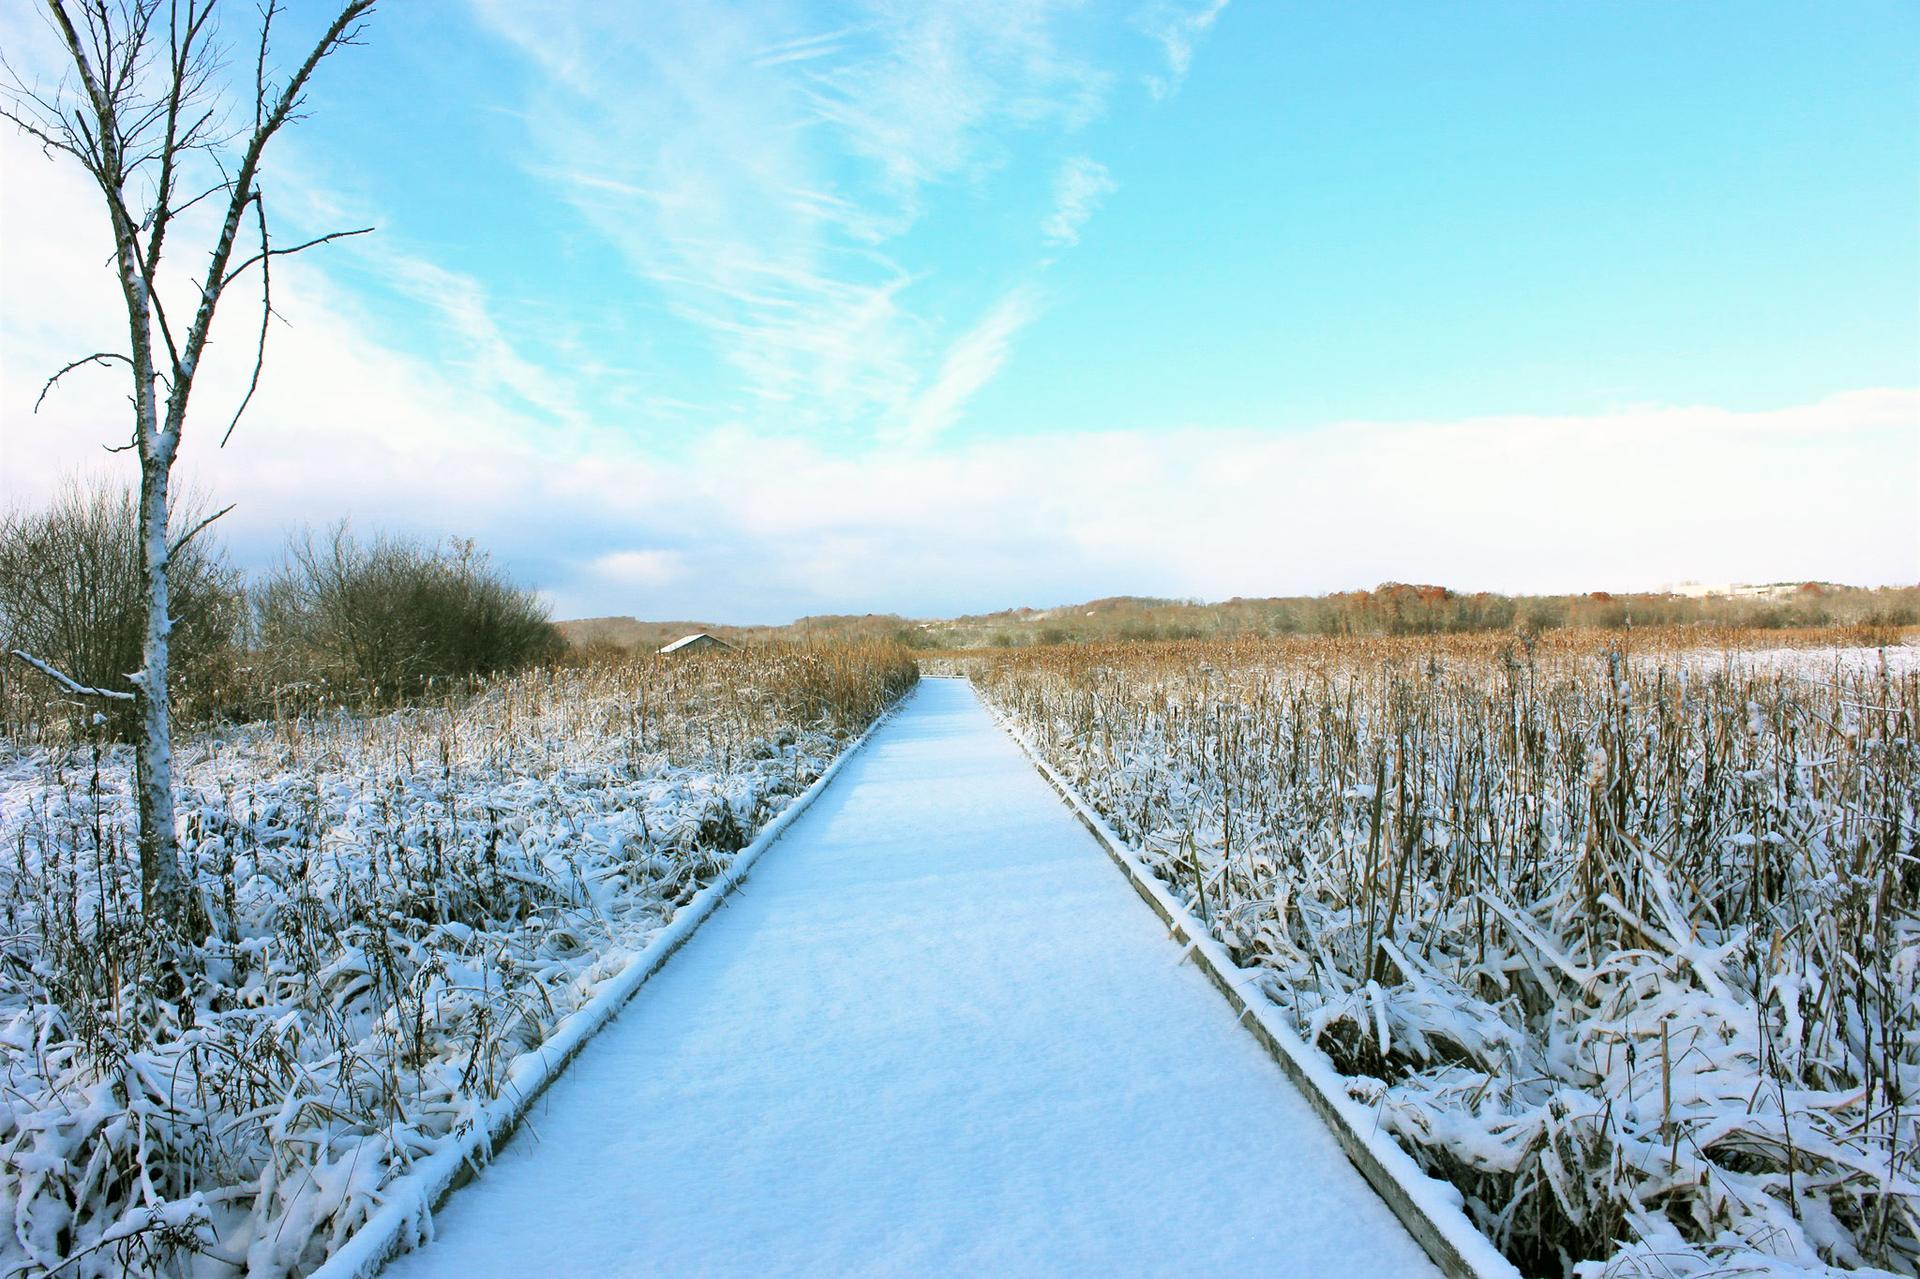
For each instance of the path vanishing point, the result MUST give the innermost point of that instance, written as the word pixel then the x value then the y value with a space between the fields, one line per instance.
pixel 935 1032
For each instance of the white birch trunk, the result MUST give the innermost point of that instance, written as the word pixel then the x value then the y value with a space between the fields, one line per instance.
pixel 108 61
pixel 165 891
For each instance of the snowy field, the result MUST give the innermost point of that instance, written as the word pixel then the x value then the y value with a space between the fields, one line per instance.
pixel 1809 663
pixel 1625 949
pixel 402 907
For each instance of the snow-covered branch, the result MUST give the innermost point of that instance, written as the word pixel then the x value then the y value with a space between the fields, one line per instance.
pixel 69 683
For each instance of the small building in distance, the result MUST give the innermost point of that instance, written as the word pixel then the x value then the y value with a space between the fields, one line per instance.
pixel 695 643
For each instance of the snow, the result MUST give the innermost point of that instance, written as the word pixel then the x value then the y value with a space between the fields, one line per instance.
pixel 404 1218
pixel 1809 663
pixel 417 915
pixel 685 640
pixel 1437 1202
pixel 1669 1080
pixel 935 1033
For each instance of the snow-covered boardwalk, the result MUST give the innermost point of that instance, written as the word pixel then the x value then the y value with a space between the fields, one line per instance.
pixel 934 1033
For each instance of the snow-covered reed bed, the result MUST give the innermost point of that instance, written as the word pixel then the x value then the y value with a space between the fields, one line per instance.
pixel 1622 943
pixel 400 907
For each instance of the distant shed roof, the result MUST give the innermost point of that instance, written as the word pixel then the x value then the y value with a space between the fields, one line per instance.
pixel 696 641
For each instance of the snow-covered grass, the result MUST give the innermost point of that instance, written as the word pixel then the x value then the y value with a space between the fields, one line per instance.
pixel 1624 943
pixel 402 906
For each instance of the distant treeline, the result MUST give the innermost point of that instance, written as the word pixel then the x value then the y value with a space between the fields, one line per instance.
pixel 1394 608
pixel 1398 608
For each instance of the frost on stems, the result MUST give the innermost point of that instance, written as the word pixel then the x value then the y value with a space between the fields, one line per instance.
pixel 1625 944
pixel 140 120
pixel 408 905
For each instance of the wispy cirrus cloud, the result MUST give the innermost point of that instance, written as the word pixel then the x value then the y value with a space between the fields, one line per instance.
pixel 1179 26
pixel 969 365
pixel 468 315
pixel 765 168
pixel 1079 188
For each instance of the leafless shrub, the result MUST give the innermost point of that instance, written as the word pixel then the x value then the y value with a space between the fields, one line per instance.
pixel 388 617
pixel 71 594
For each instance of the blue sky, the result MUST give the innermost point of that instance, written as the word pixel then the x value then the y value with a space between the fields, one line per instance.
pixel 742 311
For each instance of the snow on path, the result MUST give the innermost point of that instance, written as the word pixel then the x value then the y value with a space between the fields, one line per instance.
pixel 935 1033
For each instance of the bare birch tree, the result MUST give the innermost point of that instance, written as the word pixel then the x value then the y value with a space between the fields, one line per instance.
pixel 140 112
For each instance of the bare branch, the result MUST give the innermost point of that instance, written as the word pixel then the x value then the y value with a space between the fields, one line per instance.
pixel 98 357
pixel 266 297
pixel 264 254
pixel 210 191
pixel 68 683
pixel 194 532
pixel 107 164
pixel 179 87
pixel 260 64
pixel 218 275
pixel 43 133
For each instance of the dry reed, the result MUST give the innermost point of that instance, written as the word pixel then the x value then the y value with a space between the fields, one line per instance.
pixel 1618 935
